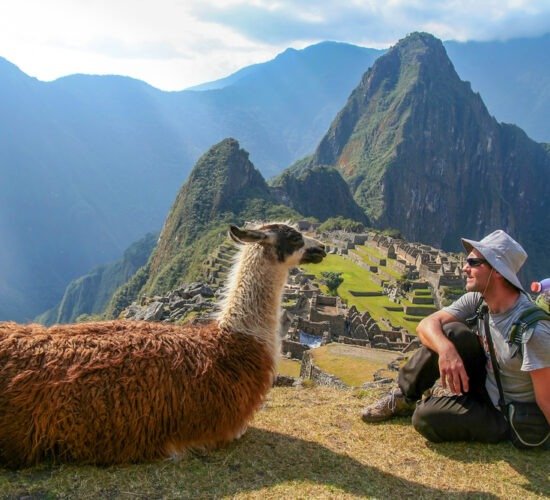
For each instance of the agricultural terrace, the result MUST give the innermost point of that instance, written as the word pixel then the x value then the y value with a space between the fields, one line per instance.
pixel 371 256
pixel 359 279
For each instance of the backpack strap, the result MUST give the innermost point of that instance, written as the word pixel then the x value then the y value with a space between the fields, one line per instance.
pixel 484 318
pixel 523 327
pixel 472 321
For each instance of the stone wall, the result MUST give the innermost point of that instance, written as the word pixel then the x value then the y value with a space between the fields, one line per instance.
pixel 335 317
pixel 314 327
pixel 349 340
pixel 437 280
pixel 355 293
pixel 309 371
pixel 325 300
pixel 295 349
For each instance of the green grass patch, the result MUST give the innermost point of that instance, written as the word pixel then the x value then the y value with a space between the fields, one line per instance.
pixel 370 252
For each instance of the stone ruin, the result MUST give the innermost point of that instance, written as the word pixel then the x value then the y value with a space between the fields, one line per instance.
pixel 329 320
pixel 309 312
pixel 197 298
pixel 361 329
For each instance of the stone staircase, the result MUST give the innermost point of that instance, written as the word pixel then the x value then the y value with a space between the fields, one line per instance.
pixel 219 264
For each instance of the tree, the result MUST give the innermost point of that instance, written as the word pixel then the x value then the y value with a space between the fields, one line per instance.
pixel 393 233
pixel 332 280
pixel 341 224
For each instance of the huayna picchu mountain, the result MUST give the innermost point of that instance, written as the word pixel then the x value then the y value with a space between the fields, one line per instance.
pixel 223 187
pixel 422 154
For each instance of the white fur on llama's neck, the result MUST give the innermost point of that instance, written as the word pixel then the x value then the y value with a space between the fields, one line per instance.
pixel 252 301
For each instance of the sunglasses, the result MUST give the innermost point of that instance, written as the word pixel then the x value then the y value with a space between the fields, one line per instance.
pixel 475 262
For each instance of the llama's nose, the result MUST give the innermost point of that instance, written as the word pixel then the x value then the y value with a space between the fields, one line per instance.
pixel 322 250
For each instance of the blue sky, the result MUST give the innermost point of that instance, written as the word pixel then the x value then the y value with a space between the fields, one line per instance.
pixel 173 44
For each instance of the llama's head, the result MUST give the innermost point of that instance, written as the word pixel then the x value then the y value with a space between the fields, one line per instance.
pixel 281 243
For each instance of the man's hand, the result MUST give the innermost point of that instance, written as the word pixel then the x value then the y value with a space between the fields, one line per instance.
pixel 452 371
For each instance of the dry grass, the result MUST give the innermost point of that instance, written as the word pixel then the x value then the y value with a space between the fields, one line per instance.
pixel 290 367
pixel 352 365
pixel 307 443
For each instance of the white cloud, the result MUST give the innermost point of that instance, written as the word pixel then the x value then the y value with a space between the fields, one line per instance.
pixel 176 43
pixel 376 22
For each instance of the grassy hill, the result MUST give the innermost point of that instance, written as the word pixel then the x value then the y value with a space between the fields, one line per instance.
pixel 307 443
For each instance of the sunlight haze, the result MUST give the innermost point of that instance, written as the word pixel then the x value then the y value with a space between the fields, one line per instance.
pixel 174 44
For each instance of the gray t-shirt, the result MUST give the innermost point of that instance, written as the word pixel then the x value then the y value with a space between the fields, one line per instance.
pixel 514 370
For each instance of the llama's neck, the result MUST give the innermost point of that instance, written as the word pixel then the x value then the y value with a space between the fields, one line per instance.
pixel 252 303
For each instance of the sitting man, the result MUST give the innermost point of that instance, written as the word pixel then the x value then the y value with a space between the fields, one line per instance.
pixel 464 407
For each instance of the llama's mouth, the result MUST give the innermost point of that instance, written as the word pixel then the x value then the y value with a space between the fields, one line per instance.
pixel 313 255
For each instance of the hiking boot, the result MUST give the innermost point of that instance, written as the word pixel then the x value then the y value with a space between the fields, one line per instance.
pixel 392 405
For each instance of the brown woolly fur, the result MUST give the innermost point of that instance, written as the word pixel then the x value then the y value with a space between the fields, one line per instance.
pixel 121 391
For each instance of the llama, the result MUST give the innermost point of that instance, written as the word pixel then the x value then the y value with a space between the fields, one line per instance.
pixel 127 391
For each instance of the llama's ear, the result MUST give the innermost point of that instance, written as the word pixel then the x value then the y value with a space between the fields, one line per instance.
pixel 245 235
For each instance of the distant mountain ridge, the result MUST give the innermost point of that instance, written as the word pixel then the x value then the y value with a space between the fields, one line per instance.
pixel 224 187
pixel 422 154
pixel 298 66
pixel 91 293
pixel 89 164
pixel 511 78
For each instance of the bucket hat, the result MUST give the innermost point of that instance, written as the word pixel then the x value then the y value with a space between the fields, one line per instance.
pixel 504 253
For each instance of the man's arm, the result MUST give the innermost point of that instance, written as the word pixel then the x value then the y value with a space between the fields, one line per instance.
pixel 541 385
pixel 451 368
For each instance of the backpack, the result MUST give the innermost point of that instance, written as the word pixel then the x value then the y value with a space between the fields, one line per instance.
pixel 522 329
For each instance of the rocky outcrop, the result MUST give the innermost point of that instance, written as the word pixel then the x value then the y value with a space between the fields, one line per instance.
pixel 196 298
pixel 307 191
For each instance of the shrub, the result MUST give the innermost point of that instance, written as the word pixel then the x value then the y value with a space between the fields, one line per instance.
pixel 332 280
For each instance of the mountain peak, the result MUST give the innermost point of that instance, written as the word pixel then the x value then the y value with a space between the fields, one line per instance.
pixel 415 69
pixel 419 39
pixel 218 183
pixel 10 74
pixel 226 172
pixel 222 184
pixel 415 144
pixel 422 49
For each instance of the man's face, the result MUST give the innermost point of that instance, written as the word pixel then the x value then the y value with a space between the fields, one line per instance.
pixel 477 272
